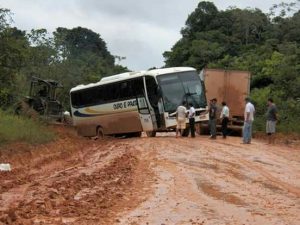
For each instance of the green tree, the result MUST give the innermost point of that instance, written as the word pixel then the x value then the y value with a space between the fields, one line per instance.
pixel 200 19
pixel 82 57
pixel 267 45
pixel 13 44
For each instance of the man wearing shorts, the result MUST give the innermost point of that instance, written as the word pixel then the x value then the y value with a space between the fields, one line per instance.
pixel 181 117
pixel 271 121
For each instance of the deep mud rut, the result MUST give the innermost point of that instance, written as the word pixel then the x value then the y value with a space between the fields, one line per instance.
pixel 160 180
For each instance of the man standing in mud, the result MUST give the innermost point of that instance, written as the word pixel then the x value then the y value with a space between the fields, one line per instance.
pixel 212 112
pixel 191 115
pixel 225 118
pixel 272 118
pixel 180 117
pixel 248 120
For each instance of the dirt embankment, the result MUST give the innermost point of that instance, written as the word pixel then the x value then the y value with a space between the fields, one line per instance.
pixel 160 180
pixel 70 181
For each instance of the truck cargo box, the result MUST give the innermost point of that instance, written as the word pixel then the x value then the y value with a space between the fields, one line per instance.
pixel 232 87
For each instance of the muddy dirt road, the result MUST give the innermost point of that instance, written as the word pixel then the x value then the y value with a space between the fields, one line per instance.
pixel 159 180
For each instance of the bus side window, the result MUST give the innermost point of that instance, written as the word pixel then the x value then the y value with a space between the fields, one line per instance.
pixel 99 95
pixel 137 86
pixel 92 96
pixel 109 93
pixel 152 88
pixel 75 99
pixel 125 90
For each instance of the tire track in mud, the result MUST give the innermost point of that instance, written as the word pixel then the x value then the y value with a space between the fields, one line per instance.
pixel 74 199
pixel 260 170
pixel 221 185
pixel 196 181
pixel 86 186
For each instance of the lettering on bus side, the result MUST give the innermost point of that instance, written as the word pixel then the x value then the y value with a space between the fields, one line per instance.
pixel 118 106
pixel 131 103
pixel 125 104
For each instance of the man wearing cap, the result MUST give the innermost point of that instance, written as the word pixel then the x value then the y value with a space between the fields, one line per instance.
pixel 248 120
pixel 212 112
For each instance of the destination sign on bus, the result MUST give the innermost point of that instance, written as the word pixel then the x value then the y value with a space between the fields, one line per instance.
pixel 125 104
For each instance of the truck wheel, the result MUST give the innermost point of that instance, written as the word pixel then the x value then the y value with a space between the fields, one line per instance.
pixel 151 133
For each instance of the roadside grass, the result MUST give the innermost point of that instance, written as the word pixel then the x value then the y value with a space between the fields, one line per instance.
pixel 287 125
pixel 16 128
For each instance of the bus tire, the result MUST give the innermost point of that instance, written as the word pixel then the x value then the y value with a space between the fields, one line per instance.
pixel 151 133
pixel 100 134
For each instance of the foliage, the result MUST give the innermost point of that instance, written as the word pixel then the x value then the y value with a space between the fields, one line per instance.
pixel 13 128
pixel 71 56
pixel 266 44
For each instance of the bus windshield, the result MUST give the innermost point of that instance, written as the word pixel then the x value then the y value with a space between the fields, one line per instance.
pixel 177 87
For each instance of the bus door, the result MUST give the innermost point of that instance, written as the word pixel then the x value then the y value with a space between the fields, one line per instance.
pixel 147 117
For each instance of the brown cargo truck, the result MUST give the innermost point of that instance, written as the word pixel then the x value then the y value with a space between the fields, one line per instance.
pixel 232 87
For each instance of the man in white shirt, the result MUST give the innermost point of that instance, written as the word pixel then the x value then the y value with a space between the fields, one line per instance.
pixel 180 117
pixel 248 120
pixel 191 116
pixel 224 116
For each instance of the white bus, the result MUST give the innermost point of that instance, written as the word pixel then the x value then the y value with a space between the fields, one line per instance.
pixel 133 102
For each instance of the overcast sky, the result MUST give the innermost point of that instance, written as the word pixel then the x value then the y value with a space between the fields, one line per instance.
pixel 140 30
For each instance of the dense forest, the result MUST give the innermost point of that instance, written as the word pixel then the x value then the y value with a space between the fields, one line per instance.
pixel 71 56
pixel 266 44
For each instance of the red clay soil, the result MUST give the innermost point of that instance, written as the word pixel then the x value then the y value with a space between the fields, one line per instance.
pixel 162 180
pixel 71 181
pixel 291 140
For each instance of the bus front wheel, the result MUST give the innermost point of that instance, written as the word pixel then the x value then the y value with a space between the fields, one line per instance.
pixel 151 133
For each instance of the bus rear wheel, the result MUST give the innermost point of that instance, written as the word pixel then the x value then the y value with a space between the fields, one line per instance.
pixel 151 133
pixel 100 134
